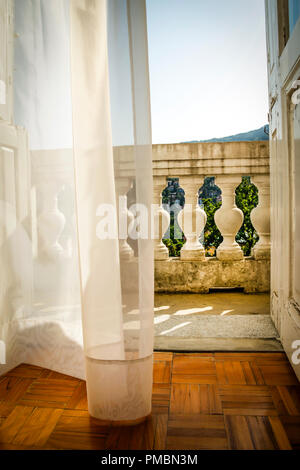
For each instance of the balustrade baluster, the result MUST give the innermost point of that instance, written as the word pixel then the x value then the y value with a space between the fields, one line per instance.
pixel 124 215
pixel 51 221
pixel 161 220
pixel 229 218
pixel 192 220
pixel 260 217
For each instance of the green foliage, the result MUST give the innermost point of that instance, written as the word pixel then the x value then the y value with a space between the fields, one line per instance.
pixel 174 246
pixel 246 200
pixel 176 240
pixel 212 235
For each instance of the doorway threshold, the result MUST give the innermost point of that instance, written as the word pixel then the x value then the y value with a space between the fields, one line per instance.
pixel 173 343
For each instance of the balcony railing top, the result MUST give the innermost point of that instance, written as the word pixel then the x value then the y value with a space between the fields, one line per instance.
pixel 203 158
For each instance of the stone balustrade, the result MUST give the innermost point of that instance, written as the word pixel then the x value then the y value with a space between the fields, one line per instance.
pixel 54 245
pixel 228 162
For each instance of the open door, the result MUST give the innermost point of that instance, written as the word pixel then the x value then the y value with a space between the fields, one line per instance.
pixel 291 321
pixel 283 45
pixel 15 275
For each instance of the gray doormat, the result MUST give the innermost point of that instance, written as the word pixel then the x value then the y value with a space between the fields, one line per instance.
pixel 215 333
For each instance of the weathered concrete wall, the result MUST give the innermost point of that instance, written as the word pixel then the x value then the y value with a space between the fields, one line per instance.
pixel 211 159
pixel 198 159
pixel 175 275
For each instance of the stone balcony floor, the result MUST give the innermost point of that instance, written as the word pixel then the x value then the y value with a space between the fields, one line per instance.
pixel 219 321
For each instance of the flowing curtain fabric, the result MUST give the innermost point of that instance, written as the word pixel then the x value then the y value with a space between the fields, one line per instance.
pixel 81 91
pixel 116 293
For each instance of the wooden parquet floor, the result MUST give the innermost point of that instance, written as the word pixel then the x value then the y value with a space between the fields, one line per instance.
pixel 200 401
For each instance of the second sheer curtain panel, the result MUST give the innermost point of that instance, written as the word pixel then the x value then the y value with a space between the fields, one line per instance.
pixel 82 93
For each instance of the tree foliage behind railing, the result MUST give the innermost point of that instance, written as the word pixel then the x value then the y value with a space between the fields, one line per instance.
pixel 246 200
pixel 210 201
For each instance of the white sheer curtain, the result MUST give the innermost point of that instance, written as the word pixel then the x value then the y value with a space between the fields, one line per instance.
pixel 81 91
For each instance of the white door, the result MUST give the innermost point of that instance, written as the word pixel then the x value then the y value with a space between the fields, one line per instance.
pixel 15 244
pixel 291 317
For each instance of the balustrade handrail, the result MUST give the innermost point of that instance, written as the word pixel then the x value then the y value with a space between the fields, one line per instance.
pixel 205 158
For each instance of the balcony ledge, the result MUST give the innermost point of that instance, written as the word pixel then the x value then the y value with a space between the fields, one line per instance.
pixel 198 276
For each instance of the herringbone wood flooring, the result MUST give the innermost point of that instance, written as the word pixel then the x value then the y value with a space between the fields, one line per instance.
pixel 200 401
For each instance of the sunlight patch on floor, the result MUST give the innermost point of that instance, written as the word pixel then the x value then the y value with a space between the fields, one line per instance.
pixel 190 311
pixel 165 332
pixel 161 319
pixel 226 311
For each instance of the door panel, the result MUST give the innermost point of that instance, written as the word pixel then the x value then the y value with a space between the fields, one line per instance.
pixel 296 203
pixel 6 57
pixel 290 321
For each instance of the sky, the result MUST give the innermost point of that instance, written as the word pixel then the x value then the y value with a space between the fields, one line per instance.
pixel 208 68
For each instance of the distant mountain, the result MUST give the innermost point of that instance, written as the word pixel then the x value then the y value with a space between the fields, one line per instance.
pixel 258 134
